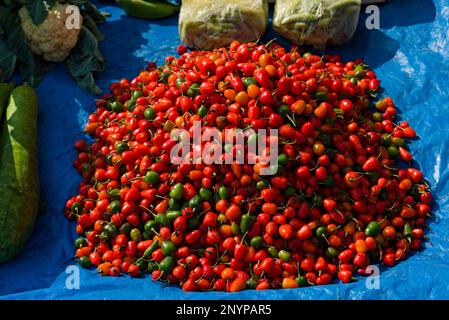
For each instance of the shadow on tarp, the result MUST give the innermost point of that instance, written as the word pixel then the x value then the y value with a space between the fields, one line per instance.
pixel 401 13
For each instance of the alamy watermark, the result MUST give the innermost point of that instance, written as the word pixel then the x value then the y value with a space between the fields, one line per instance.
pixel 73 21
pixel 372 282
pixel 73 277
pixel 373 20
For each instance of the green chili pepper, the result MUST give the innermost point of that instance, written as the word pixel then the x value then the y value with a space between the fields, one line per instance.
pixel 202 111
pixel 108 160
pixel 142 264
pixel 84 262
pixel 273 252
pixel 302 281
pixel 282 159
pixel 115 206
pixel 130 104
pixel 393 152
pixel 372 229
pixel 114 193
pixel 321 232
pixel 256 242
pixel 193 222
pixel 166 265
pixel 321 95
pixel 386 139
pixel 175 204
pixel 76 207
pixel 137 94
pixel 176 192
pixel 150 249
pixel 235 229
pixel 223 192
pixel 126 228
pixel 249 81
pixel 195 201
pixel 104 236
pixel 80 242
pixel 246 221
pixel 408 231
pixel 284 110
pixel 116 107
pixel 359 74
pixel 261 185
pixel 161 219
pixel 193 90
pixel 168 247
pixel 179 82
pixel 136 234
pixel 173 214
pixel 284 255
pixel 150 226
pixel 331 252
pixel 149 113
pixel 251 283
pixel 120 146
pixel 398 142
pixel 152 266
pixel 164 76
pixel 151 177
pixel 205 194
pixel 110 229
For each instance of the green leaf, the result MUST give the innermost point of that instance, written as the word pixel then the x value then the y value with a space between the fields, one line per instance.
pixel 15 40
pixel 92 11
pixel 84 60
pixel 7 62
pixel 38 10
pixel 90 24
pixel 4 13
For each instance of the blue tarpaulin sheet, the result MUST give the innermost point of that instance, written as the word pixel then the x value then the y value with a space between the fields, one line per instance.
pixel 410 54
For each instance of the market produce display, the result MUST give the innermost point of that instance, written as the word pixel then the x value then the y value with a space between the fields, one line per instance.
pixel 317 22
pixel 19 184
pixel 34 35
pixel 339 200
pixel 209 24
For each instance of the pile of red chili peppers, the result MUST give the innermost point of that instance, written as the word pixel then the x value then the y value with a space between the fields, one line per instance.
pixel 336 204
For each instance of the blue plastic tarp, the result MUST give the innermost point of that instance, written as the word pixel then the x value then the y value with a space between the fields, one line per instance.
pixel 410 54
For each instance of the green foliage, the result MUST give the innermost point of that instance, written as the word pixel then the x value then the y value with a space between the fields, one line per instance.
pixel 17 58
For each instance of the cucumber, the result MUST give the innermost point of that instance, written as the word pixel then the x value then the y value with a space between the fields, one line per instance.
pixel 5 91
pixel 19 185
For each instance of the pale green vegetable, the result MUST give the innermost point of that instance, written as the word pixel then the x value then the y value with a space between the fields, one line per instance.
pixel 317 22
pixel 208 24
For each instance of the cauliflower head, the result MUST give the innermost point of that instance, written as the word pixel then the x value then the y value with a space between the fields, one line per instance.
pixel 51 39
